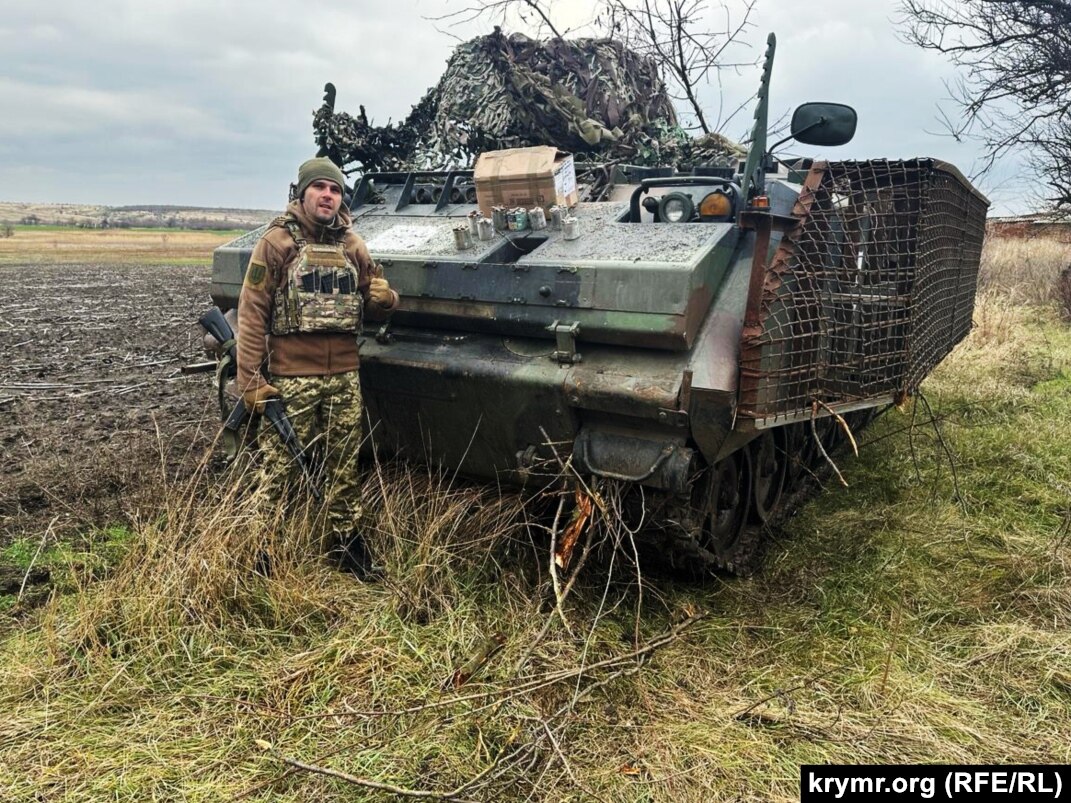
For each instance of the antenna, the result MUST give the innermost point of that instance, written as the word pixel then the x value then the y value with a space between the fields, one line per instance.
pixel 755 167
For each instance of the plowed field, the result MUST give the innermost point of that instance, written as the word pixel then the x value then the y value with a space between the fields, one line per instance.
pixel 92 403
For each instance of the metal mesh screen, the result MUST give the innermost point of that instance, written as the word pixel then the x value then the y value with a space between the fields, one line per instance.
pixel 871 289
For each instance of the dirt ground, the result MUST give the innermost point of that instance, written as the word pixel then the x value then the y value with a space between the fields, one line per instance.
pixel 93 407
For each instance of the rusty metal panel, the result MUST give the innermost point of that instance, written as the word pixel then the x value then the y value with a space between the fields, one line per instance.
pixel 868 292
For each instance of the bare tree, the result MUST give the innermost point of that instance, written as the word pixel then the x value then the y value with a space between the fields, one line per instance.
pixel 1015 90
pixel 675 35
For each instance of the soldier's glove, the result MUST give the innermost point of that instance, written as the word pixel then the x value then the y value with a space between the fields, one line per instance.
pixel 379 291
pixel 254 398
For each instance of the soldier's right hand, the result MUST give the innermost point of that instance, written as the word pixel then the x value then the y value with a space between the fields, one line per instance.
pixel 380 293
pixel 254 398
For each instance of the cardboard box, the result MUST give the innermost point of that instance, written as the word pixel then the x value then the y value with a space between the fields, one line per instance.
pixel 540 176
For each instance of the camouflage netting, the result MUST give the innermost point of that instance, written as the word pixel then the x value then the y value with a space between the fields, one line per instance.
pixel 592 97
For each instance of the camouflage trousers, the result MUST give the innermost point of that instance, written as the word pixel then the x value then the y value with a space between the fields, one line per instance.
pixel 326 412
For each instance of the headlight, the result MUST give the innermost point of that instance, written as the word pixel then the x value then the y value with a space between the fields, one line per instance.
pixel 676 207
pixel 716 205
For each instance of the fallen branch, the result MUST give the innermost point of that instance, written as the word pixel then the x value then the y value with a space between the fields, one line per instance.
pixel 585 553
pixel 581 513
pixel 843 424
pixel 524 686
pixel 425 794
pixel 821 448
pixel 555 582
pixel 781 693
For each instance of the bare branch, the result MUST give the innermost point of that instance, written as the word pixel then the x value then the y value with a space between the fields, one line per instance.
pixel 485 8
pixel 424 794
pixel 1015 89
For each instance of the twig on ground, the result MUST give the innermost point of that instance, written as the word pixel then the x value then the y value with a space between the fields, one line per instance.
pixel 555 583
pixel 426 794
pixel 36 555
pixel 524 686
pixel 782 692
pixel 948 452
pixel 843 424
pixel 898 613
pixel 821 448
pixel 558 749
pixel 585 553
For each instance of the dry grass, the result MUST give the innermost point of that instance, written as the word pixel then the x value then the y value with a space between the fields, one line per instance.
pixel 57 245
pixel 895 623
pixel 1023 270
pixel 892 626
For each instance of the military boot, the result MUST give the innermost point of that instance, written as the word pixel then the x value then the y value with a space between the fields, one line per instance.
pixel 351 555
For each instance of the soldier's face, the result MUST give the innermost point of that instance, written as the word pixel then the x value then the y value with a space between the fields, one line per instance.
pixel 322 200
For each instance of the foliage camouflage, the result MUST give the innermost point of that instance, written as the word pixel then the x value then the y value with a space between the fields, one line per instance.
pixel 593 97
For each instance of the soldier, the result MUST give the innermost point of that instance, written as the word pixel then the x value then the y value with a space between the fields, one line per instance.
pixel 309 283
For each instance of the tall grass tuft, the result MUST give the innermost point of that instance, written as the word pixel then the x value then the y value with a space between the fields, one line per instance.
pixel 1062 293
pixel 429 532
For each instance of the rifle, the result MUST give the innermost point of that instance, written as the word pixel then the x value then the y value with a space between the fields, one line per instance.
pixel 216 325
pixel 233 423
pixel 275 412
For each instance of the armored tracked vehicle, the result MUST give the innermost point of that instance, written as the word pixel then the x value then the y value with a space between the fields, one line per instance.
pixel 706 336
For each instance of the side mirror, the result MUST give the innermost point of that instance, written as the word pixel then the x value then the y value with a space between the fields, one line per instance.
pixel 823 124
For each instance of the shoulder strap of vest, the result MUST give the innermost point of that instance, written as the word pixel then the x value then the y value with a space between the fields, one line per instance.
pixel 291 225
pixel 295 231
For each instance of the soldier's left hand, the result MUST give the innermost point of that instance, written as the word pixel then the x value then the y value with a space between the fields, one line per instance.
pixel 379 291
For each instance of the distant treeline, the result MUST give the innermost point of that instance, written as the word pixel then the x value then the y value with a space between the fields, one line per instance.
pixel 163 209
pixel 144 217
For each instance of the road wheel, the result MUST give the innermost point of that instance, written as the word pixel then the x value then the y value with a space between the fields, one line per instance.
pixel 769 463
pixel 726 501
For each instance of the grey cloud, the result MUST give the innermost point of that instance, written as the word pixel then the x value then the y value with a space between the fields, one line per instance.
pixel 202 102
pixel 47 110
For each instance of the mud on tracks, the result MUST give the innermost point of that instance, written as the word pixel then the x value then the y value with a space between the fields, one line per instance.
pixel 92 403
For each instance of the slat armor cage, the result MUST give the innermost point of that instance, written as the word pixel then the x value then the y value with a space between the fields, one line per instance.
pixel 868 292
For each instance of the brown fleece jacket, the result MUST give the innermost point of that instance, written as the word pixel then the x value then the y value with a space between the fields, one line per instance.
pixel 297 354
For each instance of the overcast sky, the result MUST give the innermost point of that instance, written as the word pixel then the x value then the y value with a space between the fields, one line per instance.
pixel 209 102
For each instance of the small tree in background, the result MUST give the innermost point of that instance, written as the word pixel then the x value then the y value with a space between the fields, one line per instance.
pixel 1015 90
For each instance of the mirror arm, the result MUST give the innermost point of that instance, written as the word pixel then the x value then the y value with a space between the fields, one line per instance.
pixel 819 122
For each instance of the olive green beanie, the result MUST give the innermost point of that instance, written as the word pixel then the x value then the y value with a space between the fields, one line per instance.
pixel 320 167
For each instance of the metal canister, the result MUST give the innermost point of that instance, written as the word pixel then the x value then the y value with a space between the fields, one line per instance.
pixel 474 219
pixel 537 218
pixel 462 237
pixel 498 217
pixel 518 218
pixel 570 227
pixel 556 218
pixel 485 229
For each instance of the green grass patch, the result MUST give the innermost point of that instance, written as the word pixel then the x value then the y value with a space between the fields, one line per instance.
pixel 32 568
pixel 99 548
